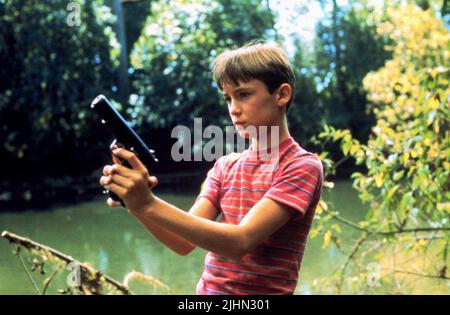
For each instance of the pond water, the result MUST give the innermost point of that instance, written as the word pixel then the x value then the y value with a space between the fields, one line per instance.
pixel 115 243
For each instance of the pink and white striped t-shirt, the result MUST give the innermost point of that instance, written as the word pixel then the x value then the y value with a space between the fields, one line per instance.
pixel 234 185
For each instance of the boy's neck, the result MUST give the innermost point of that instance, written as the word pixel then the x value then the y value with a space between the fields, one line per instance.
pixel 283 134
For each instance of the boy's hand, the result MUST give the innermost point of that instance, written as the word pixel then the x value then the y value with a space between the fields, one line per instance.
pixel 132 185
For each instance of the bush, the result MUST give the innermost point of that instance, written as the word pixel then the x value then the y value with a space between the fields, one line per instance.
pixel 407 187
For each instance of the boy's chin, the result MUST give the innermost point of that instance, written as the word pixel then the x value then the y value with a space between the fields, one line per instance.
pixel 243 133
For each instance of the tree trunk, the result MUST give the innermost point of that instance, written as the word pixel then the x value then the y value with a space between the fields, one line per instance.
pixel 124 89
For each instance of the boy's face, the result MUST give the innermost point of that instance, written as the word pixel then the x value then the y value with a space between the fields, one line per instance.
pixel 251 104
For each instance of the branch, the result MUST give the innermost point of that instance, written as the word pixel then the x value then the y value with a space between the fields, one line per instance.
pixel 399 231
pixel 414 230
pixel 444 258
pixel 429 237
pixel 130 1
pixel 358 244
pixel 335 165
pixel 48 281
pixel 36 288
pixel 441 277
pixel 29 244
pixel 348 222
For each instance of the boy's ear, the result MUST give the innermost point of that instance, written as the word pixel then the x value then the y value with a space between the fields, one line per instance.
pixel 284 94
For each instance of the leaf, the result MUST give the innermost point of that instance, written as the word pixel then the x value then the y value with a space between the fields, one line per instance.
pixel 346 147
pixel 391 192
pixel 337 228
pixel 321 207
pixel 354 148
pixel 405 158
pixel 404 202
pixel 436 126
pixel 326 239
pixel 443 207
pixel 363 224
pixel 433 104
pixel 328 184
pixel 398 175
pixel 379 180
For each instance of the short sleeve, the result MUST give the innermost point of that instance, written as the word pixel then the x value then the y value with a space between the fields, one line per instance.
pixel 211 186
pixel 298 185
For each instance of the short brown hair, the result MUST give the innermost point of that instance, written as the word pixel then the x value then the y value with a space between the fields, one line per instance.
pixel 266 62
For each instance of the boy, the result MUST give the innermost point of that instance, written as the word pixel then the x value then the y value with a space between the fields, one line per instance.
pixel 258 245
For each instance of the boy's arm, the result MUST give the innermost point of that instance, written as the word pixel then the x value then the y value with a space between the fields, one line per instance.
pixel 233 241
pixel 203 208
pixel 229 240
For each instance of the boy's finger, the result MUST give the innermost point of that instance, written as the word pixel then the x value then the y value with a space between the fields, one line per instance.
pixel 120 180
pixel 112 203
pixel 116 160
pixel 105 180
pixel 130 157
pixel 118 190
pixel 109 170
pixel 121 170
pixel 152 181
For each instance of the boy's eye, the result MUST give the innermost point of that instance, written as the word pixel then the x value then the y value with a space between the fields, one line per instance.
pixel 243 95
pixel 240 95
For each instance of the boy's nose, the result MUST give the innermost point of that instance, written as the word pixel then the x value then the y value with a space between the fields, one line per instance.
pixel 235 110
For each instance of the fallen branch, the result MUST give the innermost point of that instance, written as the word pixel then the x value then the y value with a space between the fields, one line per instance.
pixel 29 244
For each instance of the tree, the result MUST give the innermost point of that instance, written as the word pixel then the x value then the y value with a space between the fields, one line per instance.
pixel 406 232
pixel 346 50
pixel 172 57
pixel 51 71
pixel 307 113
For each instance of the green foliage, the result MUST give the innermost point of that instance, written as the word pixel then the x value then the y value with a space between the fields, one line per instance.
pixel 407 156
pixel 172 57
pixel 307 113
pixel 50 73
pixel 346 49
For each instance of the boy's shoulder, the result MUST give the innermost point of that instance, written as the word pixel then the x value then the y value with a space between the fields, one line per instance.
pixel 297 157
pixel 228 159
pixel 290 154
